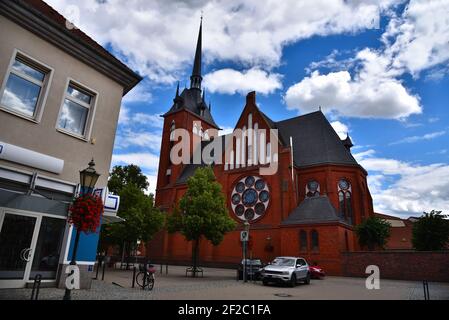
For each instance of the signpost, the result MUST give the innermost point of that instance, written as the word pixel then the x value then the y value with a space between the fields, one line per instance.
pixel 244 237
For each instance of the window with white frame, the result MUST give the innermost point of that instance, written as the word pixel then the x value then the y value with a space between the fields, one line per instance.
pixel 76 110
pixel 24 87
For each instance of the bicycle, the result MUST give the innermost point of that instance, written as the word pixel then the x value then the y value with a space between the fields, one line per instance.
pixel 145 279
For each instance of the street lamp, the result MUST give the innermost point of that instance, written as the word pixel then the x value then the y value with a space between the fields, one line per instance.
pixel 88 179
pixel 245 248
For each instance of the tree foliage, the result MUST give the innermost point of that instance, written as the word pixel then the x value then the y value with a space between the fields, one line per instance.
pixel 122 176
pixel 373 232
pixel 202 212
pixel 431 232
pixel 142 219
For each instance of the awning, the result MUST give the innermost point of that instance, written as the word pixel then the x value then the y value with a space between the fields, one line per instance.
pixel 111 219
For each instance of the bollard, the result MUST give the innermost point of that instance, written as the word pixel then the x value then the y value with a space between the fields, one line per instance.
pixel 144 276
pixel 98 269
pixel 36 287
pixel 161 268
pixel 134 277
pixel 426 290
pixel 166 269
pixel 104 267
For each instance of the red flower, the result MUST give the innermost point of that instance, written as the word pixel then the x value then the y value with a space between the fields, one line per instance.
pixel 85 213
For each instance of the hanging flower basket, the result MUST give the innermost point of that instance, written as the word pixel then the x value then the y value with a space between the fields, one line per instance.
pixel 85 213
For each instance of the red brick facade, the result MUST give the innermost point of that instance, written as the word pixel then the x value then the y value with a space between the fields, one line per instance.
pixel 400 265
pixel 269 236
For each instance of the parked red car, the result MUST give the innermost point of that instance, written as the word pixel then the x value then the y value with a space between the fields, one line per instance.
pixel 316 272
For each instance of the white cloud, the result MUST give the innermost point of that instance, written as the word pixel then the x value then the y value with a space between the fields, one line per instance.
pixel 152 120
pixel 158 37
pixel 139 93
pixel 152 180
pixel 145 160
pixel 225 130
pixel 359 97
pixel 143 139
pixel 124 116
pixel 414 41
pixel 341 129
pixel 231 81
pixel 427 136
pixel 403 188
pixel 418 39
pixel 127 119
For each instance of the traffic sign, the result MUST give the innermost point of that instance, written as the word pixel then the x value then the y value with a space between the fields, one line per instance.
pixel 244 236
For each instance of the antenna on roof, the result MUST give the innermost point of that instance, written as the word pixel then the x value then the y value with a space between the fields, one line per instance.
pixel 319 108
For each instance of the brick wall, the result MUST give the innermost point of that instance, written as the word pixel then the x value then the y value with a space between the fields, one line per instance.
pixel 399 265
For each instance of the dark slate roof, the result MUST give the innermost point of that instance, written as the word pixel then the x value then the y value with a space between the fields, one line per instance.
pixel 190 99
pixel 189 169
pixel 313 210
pixel 187 172
pixel 314 141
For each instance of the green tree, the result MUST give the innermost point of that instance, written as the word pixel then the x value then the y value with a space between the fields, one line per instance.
pixel 122 176
pixel 431 232
pixel 202 212
pixel 373 232
pixel 142 219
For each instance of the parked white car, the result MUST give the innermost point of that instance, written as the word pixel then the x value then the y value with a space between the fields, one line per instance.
pixel 287 270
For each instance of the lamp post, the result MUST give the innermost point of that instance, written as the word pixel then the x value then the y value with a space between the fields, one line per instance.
pixel 245 253
pixel 88 179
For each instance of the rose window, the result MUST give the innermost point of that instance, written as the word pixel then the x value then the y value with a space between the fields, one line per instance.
pixel 250 198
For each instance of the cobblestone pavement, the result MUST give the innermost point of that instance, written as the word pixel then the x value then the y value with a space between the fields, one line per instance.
pixel 221 284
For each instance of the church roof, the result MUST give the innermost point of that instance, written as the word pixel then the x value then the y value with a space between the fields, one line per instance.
pixel 190 99
pixel 313 210
pixel 314 141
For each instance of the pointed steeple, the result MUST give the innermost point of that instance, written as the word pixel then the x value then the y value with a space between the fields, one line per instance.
pixel 196 78
pixel 177 100
pixel 347 142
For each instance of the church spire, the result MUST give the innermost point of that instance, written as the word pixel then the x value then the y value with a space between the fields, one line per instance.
pixel 196 78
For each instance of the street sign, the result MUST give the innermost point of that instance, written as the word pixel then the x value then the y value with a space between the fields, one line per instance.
pixel 244 236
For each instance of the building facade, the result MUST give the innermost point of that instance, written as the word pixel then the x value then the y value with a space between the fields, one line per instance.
pixel 60 99
pixel 307 207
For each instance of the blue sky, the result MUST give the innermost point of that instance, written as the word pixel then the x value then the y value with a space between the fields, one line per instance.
pixel 378 69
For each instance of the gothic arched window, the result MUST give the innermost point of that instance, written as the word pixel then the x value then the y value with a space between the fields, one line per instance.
pixel 172 131
pixel 344 200
pixel 303 240
pixel 195 129
pixel 315 240
pixel 312 189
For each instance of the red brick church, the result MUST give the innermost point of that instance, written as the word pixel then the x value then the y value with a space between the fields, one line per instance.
pixel 308 208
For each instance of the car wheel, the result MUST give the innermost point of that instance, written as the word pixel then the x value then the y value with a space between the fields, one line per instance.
pixel 265 282
pixel 293 281
pixel 307 279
